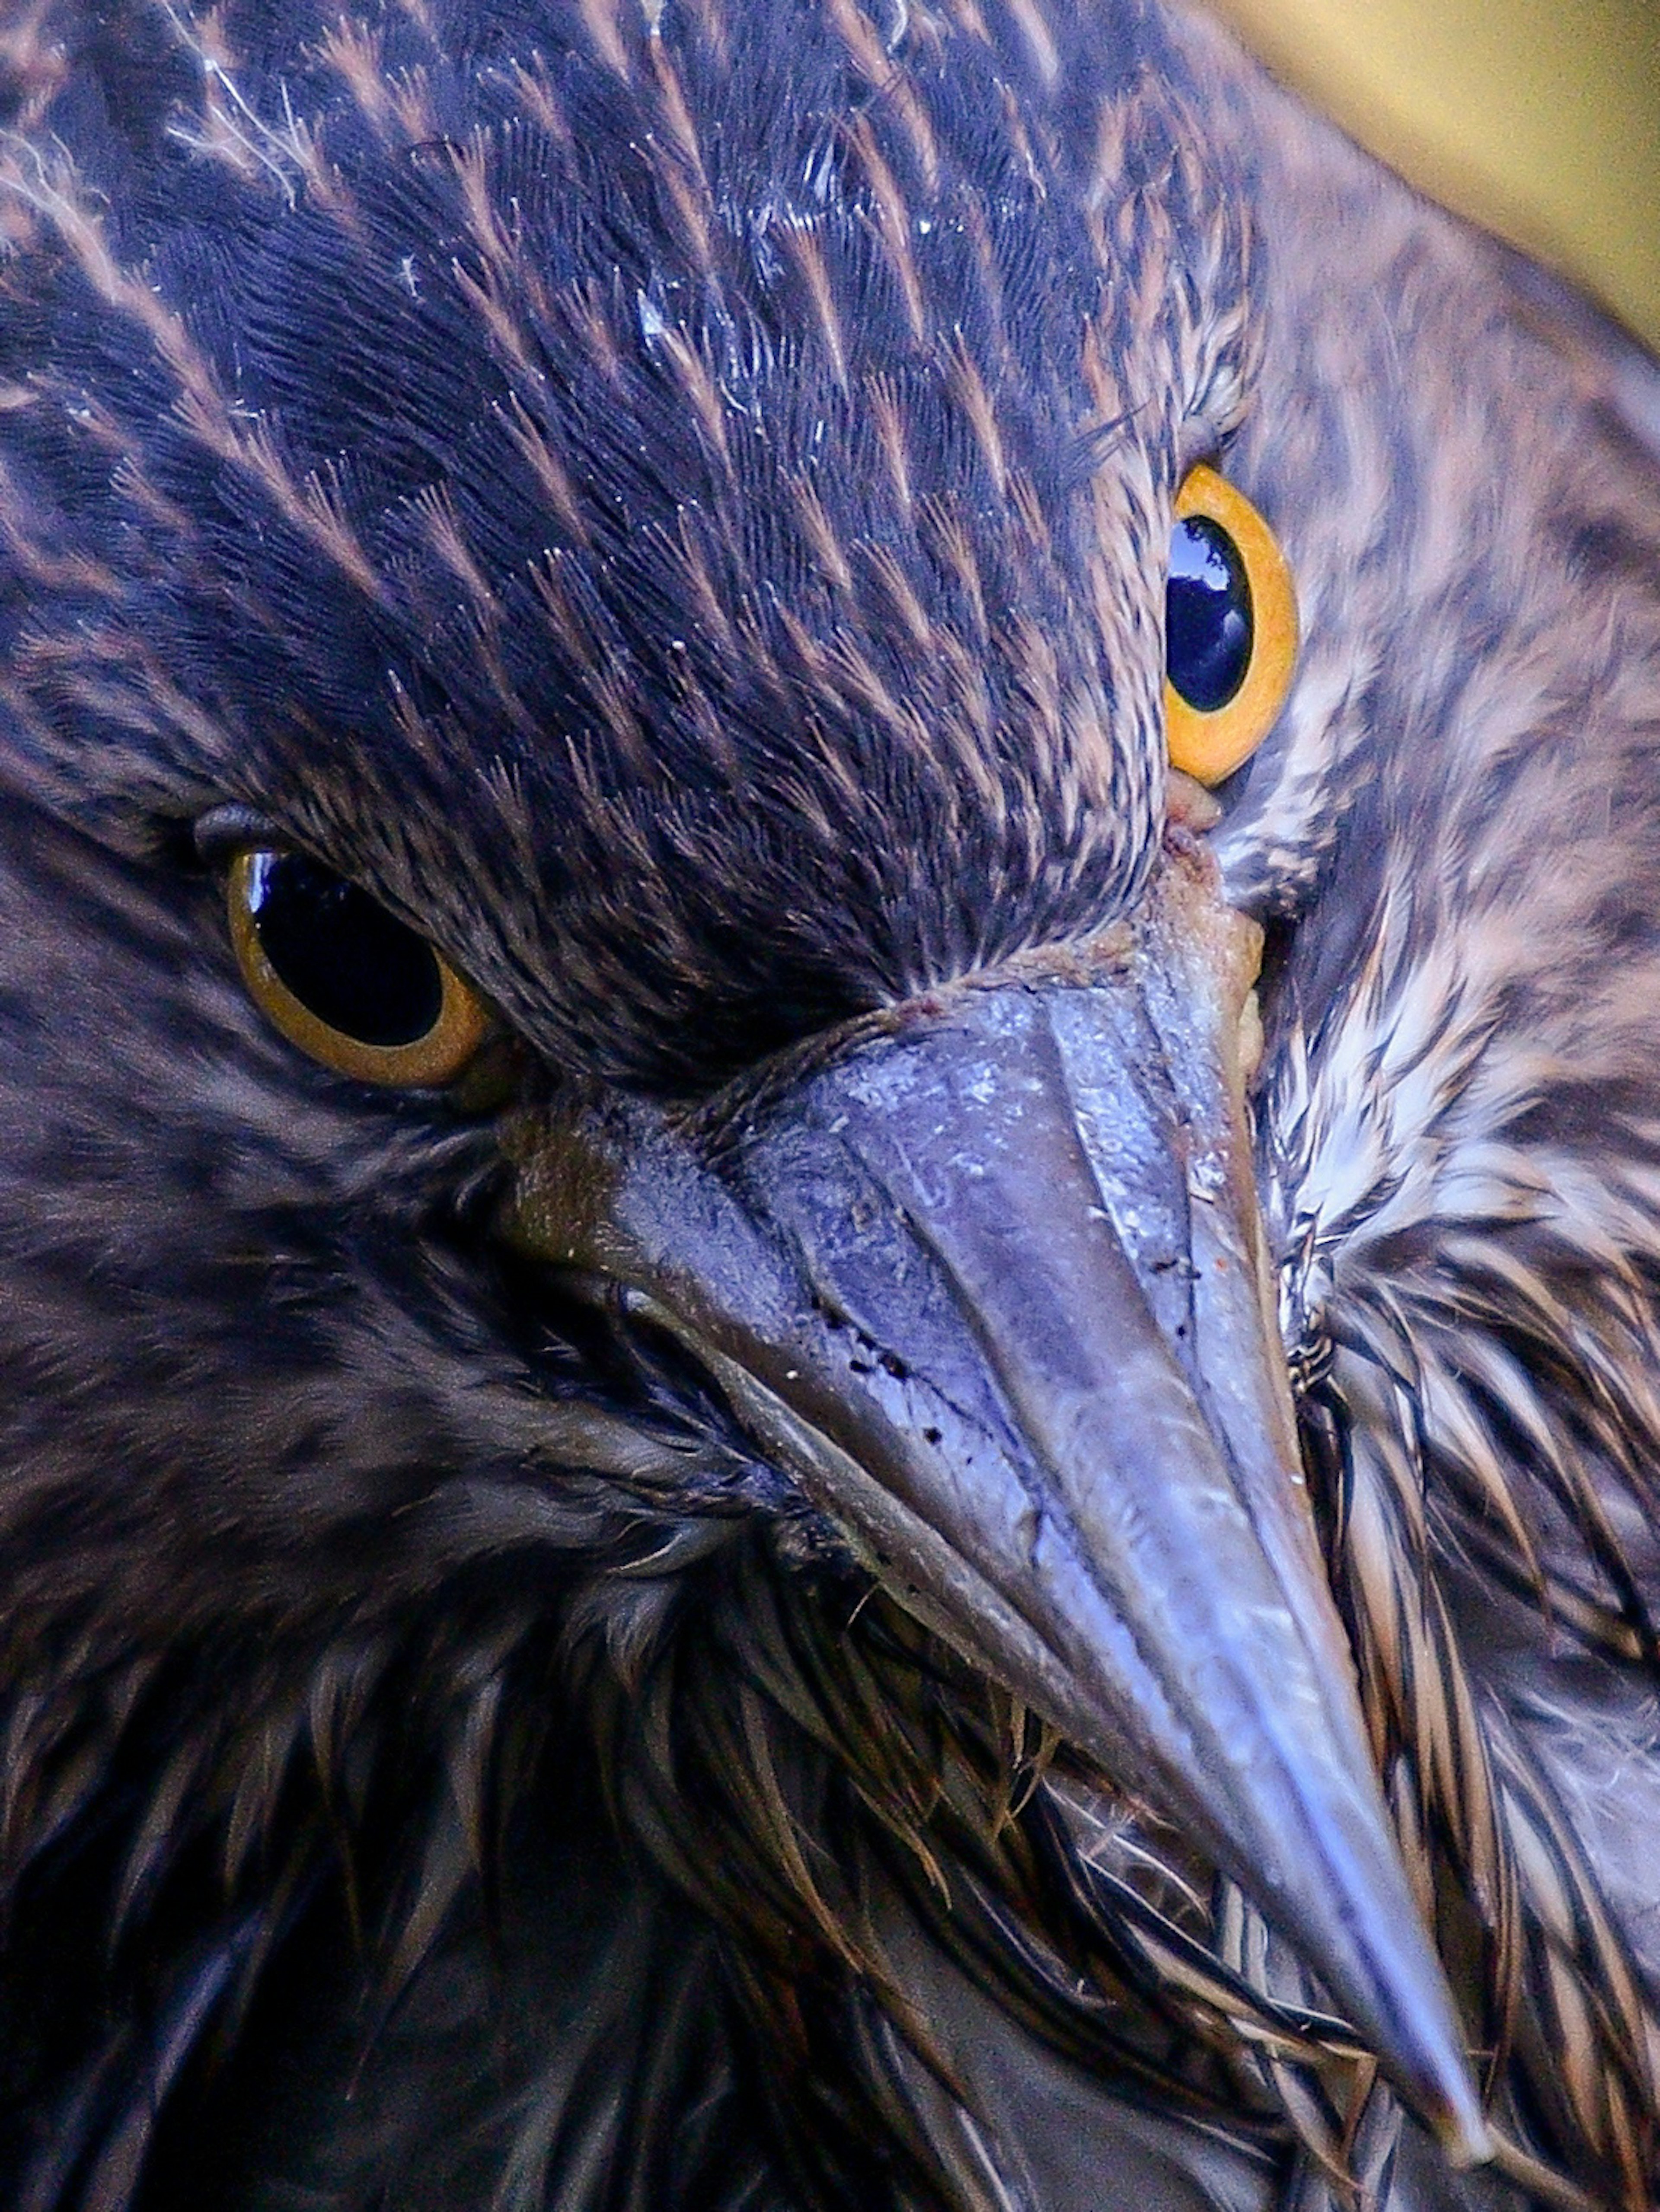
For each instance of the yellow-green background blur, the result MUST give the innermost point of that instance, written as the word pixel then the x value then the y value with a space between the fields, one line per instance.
pixel 1540 117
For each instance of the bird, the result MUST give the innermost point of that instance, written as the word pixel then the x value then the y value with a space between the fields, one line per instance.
pixel 829 1173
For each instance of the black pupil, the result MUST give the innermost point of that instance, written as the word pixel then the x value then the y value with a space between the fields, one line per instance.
pixel 344 957
pixel 1208 615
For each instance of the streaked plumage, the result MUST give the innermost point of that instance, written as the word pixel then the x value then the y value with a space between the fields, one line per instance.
pixel 674 500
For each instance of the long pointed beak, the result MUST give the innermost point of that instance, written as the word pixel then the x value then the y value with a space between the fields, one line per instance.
pixel 991 1285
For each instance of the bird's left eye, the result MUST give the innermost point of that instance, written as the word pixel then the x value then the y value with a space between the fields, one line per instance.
pixel 344 979
pixel 1230 628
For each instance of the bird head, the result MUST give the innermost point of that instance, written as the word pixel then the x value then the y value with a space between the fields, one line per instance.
pixel 630 1042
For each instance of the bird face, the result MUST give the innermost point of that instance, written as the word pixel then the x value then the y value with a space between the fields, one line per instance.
pixel 631 551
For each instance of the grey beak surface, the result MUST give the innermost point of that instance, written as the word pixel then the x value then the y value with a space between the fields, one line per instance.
pixel 990 1284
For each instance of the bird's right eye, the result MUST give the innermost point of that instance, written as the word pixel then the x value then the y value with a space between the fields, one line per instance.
pixel 344 979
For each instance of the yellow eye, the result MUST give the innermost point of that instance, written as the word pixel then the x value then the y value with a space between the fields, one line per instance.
pixel 1230 628
pixel 344 979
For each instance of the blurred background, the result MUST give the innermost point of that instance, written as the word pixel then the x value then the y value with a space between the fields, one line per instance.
pixel 1539 118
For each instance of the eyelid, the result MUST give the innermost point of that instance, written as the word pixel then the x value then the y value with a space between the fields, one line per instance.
pixel 1196 447
pixel 224 831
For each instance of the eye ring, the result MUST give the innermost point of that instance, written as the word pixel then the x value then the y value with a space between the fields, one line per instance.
pixel 434 1056
pixel 1211 744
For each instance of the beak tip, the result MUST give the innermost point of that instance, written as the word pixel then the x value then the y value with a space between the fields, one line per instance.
pixel 1458 2123
pixel 1427 2059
